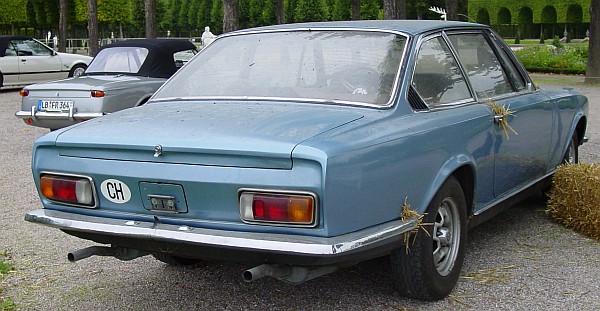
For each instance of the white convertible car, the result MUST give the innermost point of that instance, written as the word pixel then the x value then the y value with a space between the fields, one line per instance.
pixel 24 61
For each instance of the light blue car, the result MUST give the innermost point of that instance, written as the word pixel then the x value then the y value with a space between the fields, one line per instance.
pixel 303 148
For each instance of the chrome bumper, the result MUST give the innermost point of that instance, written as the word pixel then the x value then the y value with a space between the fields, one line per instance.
pixel 72 114
pixel 362 240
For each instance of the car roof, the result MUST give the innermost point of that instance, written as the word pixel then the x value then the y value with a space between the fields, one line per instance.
pixel 410 27
pixel 159 63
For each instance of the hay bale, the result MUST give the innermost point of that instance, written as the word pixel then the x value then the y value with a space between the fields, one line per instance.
pixel 574 199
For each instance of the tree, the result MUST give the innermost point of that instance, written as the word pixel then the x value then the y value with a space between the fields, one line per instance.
pixel 93 27
pixel 592 73
pixel 62 26
pixel 280 11
pixel 230 15
pixel 452 10
pixel 394 9
pixel 355 10
pixel 311 11
pixel 389 9
pixel 150 14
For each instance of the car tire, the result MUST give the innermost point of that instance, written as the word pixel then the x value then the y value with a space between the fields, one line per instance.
pixel 572 154
pixel 173 260
pixel 77 70
pixel 1 80
pixel 429 268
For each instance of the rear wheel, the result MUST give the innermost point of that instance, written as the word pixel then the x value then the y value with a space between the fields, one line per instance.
pixel 430 269
pixel 77 70
pixel 173 260
pixel 572 154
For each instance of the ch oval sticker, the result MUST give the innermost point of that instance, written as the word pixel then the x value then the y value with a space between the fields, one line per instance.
pixel 115 191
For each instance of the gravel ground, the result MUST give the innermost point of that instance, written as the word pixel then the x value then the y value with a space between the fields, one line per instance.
pixel 517 261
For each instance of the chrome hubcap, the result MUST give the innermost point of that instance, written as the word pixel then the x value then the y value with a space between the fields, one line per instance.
pixel 446 236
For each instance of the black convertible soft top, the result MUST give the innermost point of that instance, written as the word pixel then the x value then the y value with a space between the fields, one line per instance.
pixel 159 63
pixel 4 42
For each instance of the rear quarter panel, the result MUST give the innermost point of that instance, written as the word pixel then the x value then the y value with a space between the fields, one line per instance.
pixel 373 168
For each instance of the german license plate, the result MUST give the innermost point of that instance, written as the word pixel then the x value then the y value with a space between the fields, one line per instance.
pixel 54 105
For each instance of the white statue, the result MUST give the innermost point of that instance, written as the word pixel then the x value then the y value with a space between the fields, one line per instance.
pixel 207 37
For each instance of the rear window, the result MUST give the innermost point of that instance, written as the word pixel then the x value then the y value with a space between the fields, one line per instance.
pixel 332 66
pixel 118 60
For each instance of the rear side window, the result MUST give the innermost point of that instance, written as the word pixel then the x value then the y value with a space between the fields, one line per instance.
pixel 437 77
pixel 483 68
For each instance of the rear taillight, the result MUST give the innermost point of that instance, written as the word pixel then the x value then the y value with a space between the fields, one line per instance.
pixel 24 92
pixel 97 93
pixel 278 208
pixel 67 189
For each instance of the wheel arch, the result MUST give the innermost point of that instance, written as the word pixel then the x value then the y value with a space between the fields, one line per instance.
pixel 465 175
pixel 580 129
pixel 463 169
pixel 144 99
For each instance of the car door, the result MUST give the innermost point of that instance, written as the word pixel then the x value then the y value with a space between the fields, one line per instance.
pixel 37 62
pixel 9 66
pixel 523 116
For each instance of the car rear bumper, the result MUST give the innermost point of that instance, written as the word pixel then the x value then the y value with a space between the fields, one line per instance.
pixel 230 245
pixel 72 115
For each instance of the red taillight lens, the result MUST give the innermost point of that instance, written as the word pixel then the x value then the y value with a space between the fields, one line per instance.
pixel 24 92
pixel 68 189
pixel 97 93
pixel 292 209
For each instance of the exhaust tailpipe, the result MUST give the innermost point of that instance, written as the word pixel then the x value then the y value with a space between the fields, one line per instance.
pixel 286 273
pixel 117 252
pixel 276 271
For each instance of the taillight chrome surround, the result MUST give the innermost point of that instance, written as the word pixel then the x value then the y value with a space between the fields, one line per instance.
pixel 301 207
pixel 68 189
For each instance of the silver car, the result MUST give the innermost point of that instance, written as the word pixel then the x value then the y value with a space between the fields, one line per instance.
pixel 24 60
pixel 123 75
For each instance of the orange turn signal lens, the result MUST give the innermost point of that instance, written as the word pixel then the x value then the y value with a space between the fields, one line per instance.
pixel 98 93
pixel 281 208
pixel 24 92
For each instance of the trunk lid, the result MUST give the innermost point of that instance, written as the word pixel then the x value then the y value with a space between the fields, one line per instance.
pixel 236 134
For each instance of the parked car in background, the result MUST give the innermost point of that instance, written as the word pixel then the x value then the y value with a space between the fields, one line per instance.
pixel 303 148
pixel 24 60
pixel 123 75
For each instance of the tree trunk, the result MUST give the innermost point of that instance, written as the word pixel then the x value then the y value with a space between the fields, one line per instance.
pixel 451 10
pixel 62 25
pixel 93 27
pixel 355 10
pixel 401 9
pixel 230 16
pixel 280 11
pixel 389 9
pixel 592 73
pixel 150 13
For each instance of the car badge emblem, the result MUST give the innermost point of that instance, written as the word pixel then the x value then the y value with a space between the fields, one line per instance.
pixel 57 94
pixel 157 151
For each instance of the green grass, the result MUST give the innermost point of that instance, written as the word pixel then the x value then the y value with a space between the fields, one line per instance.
pixel 6 266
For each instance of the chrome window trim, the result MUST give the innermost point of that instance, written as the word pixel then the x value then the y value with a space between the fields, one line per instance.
pixel 90 179
pixel 394 94
pixel 316 219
